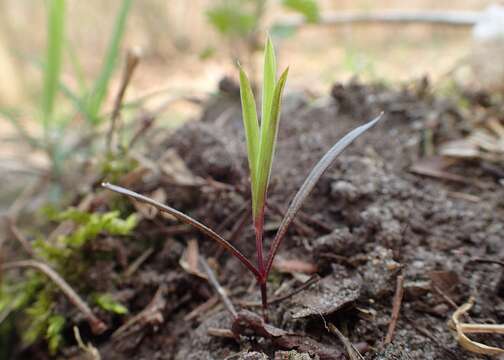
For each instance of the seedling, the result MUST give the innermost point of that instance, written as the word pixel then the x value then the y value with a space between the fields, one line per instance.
pixel 261 139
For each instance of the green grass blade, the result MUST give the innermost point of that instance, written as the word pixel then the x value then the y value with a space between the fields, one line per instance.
pixel 102 83
pixel 267 145
pixel 269 80
pixel 251 125
pixel 310 182
pixel 55 39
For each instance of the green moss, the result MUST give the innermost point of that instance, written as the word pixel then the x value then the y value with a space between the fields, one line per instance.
pixel 34 297
pixel 108 303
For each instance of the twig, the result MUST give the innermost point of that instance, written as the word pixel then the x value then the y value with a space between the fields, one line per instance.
pixel 220 290
pixel 132 60
pixel 97 326
pixel 396 307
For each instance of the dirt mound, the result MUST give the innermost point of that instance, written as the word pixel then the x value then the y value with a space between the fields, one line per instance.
pixel 368 220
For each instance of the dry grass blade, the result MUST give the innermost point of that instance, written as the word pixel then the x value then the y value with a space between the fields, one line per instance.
pixel 212 279
pixel 352 352
pixel 462 328
pixel 188 220
pixel 310 182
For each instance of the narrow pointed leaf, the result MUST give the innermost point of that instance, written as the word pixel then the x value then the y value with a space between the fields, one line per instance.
pixel 185 219
pixel 269 80
pixel 310 182
pixel 251 125
pixel 267 146
pixel 109 64
pixel 54 56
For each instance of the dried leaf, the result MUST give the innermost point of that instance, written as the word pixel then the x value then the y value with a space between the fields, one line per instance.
pixel 189 260
pixel 445 280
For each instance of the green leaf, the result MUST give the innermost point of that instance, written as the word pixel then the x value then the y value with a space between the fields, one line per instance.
pixel 56 324
pixel 269 80
pixel 107 303
pixel 308 8
pixel 251 125
pixel 102 83
pixel 267 145
pixel 56 22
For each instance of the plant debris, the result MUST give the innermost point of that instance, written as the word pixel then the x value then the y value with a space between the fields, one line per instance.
pixel 462 329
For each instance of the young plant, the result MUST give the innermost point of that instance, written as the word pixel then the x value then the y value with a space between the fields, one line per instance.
pixel 261 139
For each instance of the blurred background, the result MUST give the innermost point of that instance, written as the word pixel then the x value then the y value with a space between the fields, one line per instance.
pixel 49 88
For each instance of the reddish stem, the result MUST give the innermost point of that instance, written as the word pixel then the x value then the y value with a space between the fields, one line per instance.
pixel 264 299
pixel 263 278
pixel 259 225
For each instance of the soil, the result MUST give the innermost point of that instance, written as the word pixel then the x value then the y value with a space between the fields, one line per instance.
pixel 369 220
